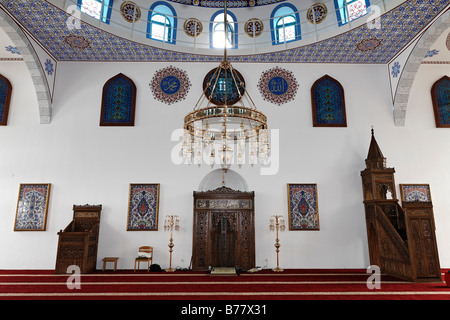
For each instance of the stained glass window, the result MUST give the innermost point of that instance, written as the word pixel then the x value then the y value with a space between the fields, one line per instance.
pixel 162 22
pixel 328 103
pixel 5 98
pixel 98 9
pixel 440 95
pixel 350 10
pixel 285 24
pixel 119 101
pixel 217 36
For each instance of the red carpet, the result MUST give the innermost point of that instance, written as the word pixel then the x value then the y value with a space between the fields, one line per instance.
pixel 262 286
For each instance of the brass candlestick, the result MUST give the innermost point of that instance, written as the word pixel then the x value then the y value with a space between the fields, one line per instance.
pixel 277 223
pixel 170 223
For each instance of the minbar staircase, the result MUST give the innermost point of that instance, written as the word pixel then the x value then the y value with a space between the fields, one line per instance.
pixel 401 239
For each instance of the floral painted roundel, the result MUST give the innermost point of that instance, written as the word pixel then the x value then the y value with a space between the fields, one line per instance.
pixel 278 85
pixel 170 85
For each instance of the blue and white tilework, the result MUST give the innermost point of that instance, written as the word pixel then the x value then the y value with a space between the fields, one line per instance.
pixel 47 24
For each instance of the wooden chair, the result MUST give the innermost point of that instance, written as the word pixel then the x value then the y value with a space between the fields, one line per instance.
pixel 149 259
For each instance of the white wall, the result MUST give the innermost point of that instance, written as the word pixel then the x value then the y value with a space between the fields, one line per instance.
pixel 86 163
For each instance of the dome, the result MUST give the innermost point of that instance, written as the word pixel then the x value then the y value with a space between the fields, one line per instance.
pixel 214 179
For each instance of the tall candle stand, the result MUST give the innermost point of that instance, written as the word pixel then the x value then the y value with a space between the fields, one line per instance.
pixel 172 222
pixel 277 223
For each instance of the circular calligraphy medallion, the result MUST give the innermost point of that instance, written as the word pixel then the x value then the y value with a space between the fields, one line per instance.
pixel 170 85
pixel 278 85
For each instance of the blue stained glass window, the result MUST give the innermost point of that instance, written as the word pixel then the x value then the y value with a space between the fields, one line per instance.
pixel 285 24
pixel 119 101
pixel 162 22
pixel 98 9
pixel 440 94
pixel 350 10
pixel 5 97
pixel 328 103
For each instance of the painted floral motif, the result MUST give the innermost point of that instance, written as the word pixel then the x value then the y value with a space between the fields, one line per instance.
pixel 254 27
pixel 303 210
pixel 317 13
pixel 431 53
pixel 49 67
pixel 278 85
pixel 130 11
pixel 193 27
pixel 77 42
pixel 369 44
pixel 143 207
pixel 32 207
pixel 396 69
pixel 413 193
pixel 12 49
pixel 170 85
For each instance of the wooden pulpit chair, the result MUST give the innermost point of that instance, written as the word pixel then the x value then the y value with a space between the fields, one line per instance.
pixel 145 254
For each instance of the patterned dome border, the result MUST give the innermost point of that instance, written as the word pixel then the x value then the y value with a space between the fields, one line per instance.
pixel 230 3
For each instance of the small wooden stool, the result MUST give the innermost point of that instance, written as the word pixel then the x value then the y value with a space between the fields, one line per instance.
pixel 110 259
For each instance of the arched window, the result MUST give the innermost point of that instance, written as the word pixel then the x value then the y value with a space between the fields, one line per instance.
pixel 440 95
pixel 5 99
pixel 285 24
pixel 119 102
pixel 216 30
pixel 98 9
pixel 162 22
pixel 348 10
pixel 328 103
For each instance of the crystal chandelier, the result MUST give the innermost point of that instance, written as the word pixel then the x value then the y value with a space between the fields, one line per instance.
pixel 221 121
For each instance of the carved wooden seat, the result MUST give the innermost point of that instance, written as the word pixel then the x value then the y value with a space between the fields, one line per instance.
pixel 78 243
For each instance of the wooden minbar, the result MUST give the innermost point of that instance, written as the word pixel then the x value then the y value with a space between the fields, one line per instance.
pixel 224 229
pixel 401 239
pixel 78 242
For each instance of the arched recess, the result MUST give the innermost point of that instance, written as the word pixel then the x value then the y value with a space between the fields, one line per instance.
pixel 32 61
pixel 413 63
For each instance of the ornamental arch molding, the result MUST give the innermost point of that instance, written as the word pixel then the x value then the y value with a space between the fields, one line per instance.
pixel 412 65
pixel 22 43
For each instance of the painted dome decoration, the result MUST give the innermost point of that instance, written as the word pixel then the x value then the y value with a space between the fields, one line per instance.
pixel 230 3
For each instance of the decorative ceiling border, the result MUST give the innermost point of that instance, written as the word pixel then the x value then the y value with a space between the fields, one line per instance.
pixel 363 44
pixel 230 3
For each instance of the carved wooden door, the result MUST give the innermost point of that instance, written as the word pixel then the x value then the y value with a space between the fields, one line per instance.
pixel 224 229
pixel 223 239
